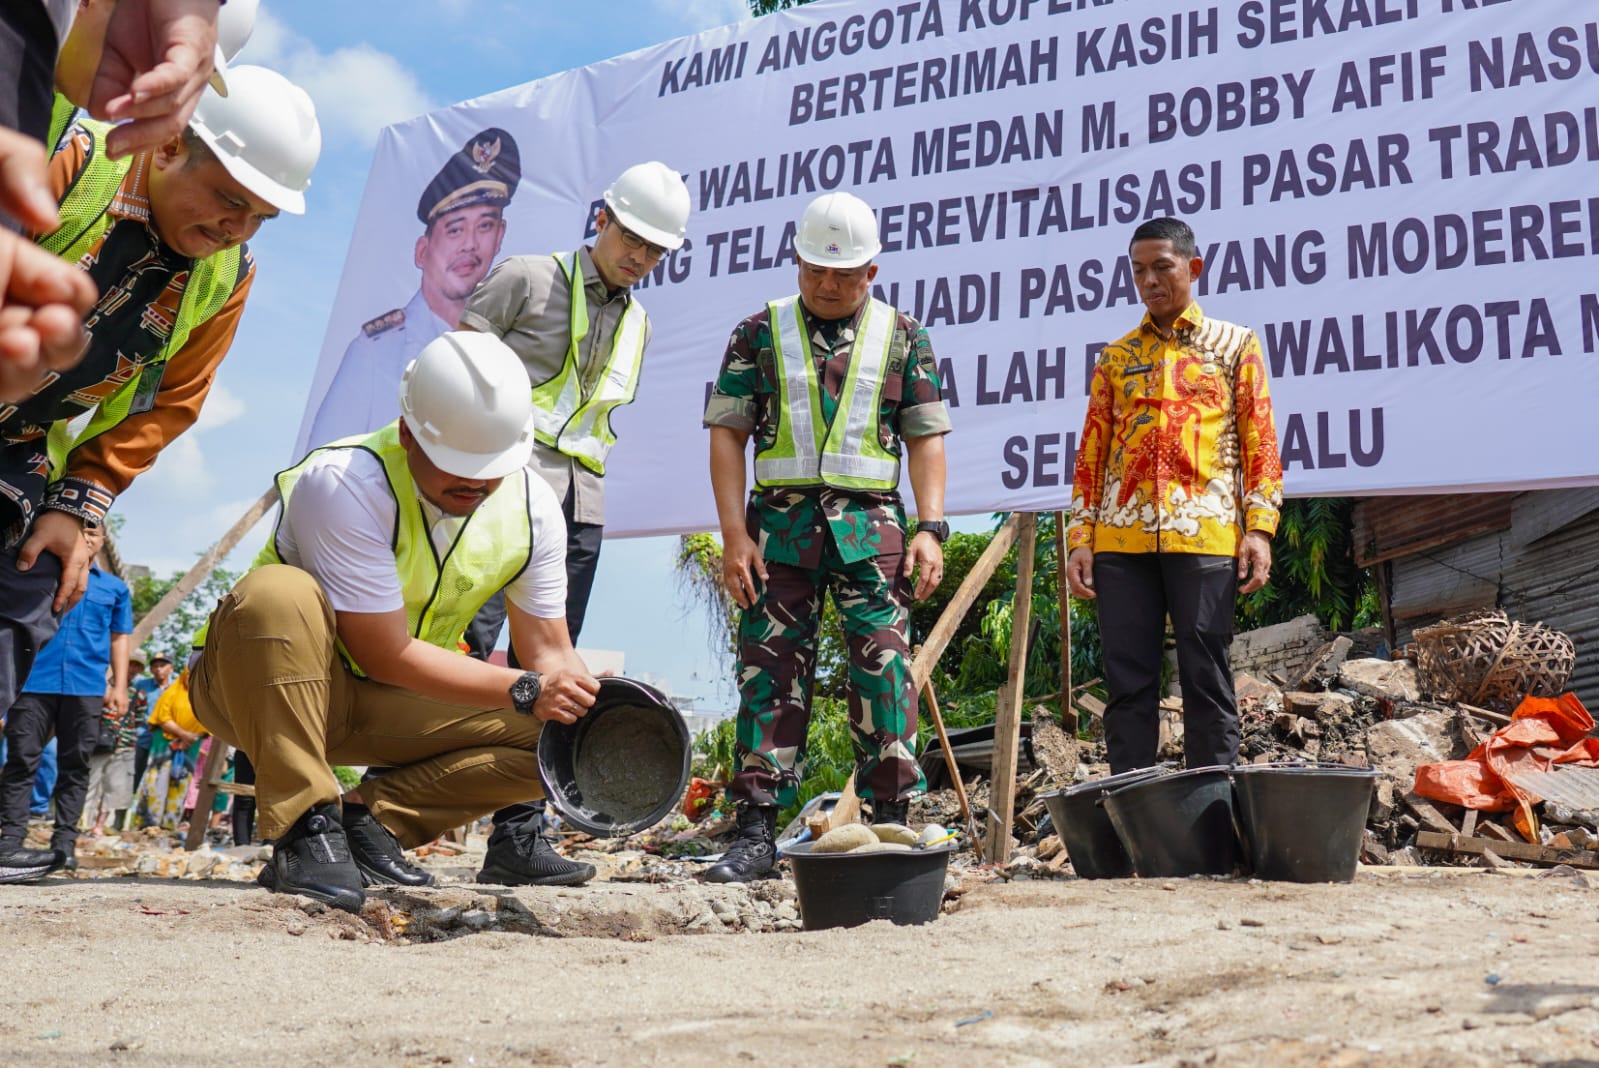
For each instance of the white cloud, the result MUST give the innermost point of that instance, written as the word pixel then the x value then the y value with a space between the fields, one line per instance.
pixel 696 15
pixel 222 406
pixel 357 91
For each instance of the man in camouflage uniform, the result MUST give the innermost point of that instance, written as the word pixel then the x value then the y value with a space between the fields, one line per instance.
pixel 859 381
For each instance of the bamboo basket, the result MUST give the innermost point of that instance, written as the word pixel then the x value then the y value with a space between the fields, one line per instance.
pixel 1488 660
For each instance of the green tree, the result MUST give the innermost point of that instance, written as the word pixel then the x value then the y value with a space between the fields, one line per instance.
pixel 766 7
pixel 174 633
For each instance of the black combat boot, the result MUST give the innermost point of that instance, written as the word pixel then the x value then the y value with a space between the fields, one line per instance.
pixel 314 859
pixel 754 852
pixel 891 812
pixel 377 853
pixel 518 855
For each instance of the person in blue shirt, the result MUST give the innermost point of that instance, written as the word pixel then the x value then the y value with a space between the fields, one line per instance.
pixel 152 688
pixel 65 690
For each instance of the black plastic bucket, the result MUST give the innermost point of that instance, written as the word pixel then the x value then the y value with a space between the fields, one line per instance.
pixel 849 889
pixel 1303 823
pixel 622 767
pixel 1085 828
pixel 1179 824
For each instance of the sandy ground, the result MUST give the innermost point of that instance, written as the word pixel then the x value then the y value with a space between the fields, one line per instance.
pixel 1412 967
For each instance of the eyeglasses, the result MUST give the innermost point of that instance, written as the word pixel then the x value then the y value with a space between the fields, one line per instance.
pixel 634 241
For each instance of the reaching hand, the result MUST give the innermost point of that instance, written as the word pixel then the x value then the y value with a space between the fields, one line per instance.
pixel 157 57
pixel 43 298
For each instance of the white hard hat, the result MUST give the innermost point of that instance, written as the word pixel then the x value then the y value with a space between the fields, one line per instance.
pixel 265 133
pixel 467 401
pixel 837 230
pixel 235 21
pixel 651 200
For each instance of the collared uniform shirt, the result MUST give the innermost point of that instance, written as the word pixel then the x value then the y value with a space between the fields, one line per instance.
pixel 792 523
pixel 141 282
pixel 526 301
pixel 1178 451
pixel 365 393
pixel 76 660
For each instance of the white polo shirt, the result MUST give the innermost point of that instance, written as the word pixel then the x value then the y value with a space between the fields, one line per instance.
pixel 341 515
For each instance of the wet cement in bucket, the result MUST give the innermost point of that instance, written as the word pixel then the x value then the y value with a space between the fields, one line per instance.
pixel 630 762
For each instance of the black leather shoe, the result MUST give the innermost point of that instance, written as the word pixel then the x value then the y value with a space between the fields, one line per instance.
pixel 20 865
pixel 314 859
pixel 754 852
pixel 519 856
pixel 378 854
pixel 891 812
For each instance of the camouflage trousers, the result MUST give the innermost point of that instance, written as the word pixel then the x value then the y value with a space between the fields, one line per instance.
pixel 777 668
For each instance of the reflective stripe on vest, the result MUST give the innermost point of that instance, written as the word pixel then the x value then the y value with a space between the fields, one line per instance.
pixel 847 453
pixel 442 595
pixel 85 217
pixel 567 423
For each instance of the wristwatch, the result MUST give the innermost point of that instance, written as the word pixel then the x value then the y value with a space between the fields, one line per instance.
pixel 525 692
pixel 936 527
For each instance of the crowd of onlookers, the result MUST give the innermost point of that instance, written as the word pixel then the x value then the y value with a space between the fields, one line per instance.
pixel 103 739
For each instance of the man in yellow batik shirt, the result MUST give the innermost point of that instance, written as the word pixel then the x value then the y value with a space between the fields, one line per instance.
pixel 1175 498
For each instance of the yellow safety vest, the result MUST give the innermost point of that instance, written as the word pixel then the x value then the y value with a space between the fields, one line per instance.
pixel 566 422
pixel 84 218
pixel 846 453
pixel 442 594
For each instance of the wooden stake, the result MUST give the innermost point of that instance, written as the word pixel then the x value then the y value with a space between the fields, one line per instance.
pixel 202 567
pixel 965 596
pixel 1008 714
pixel 954 771
pixel 1063 594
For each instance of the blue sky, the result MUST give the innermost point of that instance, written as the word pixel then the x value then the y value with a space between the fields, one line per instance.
pixel 368 64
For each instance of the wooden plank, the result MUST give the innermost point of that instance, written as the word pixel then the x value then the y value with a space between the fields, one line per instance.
pixel 954 771
pixel 1483 713
pixel 1429 816
pixel 1063 595
pixel 202 567
pixel 1008 711
pixel 1468 823
pixel 965 596
pixel 213 764
pixel 1533 854
pixel 1091 704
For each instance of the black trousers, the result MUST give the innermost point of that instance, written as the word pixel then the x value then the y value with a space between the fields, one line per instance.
pixel 26 621
pixel 583 542
pixel 1137 591
pixel 74 720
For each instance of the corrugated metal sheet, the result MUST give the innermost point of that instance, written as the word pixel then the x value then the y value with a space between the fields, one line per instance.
pixel 1562 784
pixel 1553 579
pixel 1388 527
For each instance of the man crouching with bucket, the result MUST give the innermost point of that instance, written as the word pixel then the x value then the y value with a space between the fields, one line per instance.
pixel 341 645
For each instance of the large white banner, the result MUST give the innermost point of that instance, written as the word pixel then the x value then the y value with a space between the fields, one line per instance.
pixel 1400 196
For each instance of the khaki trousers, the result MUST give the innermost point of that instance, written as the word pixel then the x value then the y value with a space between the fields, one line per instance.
pixel 272 683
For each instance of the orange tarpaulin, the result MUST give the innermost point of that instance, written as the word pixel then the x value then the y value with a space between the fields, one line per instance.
pixel 1544 731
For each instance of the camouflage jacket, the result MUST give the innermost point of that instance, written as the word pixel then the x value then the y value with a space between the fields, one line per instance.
pixel 792 524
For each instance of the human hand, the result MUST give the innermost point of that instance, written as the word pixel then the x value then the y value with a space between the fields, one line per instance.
pixel 1080 572
pixel 927 554
pixel 61 534
pixel 43 298
pixel 157 57
pixel 116 700
pixel 565 694
pixel 741 566
pixel 1254 561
